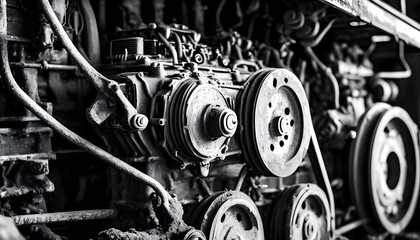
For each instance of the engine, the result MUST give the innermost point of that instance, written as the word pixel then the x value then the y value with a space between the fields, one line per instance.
pixel 201 120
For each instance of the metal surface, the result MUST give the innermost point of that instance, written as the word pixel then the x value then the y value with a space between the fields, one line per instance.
pixel 359 155
pixel 104 85
pixel 394 170
pixel 229 215
pixel 275 122
pixel 20 95
pixel 200 122
pixel 301 212
pixel 381 15
pixel 65 216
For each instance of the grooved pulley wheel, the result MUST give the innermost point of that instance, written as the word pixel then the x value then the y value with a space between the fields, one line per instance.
pixel 200 121
pixel 385 169
pixel 301 212
pixel 229 215
pixel 275 122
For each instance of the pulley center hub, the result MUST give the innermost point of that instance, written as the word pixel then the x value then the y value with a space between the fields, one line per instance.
pixel 282 125
pixel 220 121
pixel 310 228
pixel 392 174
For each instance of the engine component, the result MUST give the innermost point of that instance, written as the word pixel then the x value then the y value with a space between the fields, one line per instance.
pixel 384 91
pixel 229 215
pixel 385 146
pixel 200 121
pixel 191 117
pixel 301 212
pixel 275 120
pixel 394 170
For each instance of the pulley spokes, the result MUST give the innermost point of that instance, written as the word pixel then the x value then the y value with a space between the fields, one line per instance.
pixel 301 212
pixel 384 169
pixel 394 170
pixel 275 119
pixel 229 215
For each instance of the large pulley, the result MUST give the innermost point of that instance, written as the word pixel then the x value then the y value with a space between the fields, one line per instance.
pixel 385 169
pixel 229 215
pixel 200 121
pixel 275 122
pixel 301 212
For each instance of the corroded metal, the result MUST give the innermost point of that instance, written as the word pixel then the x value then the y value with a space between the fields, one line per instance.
pixel 381 15
pixel 65 216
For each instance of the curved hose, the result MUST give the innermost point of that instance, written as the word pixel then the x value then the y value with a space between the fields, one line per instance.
pixel 107 87
pixel 66 133
pixel 94 76
pixel 168 45
pixel 178 44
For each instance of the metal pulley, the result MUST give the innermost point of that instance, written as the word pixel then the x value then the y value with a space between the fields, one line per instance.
pixel 200 121
pixel 228 215
pixel 275 122
pixel 385 169
pixel 301 212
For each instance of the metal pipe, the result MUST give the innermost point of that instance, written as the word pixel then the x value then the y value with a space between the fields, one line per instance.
pixel 10 82
pixel 45 66
pixel 178 44
pixel 98 80
pixel 241 178
pixel 171 49
pixel 65 216
pixel 104 85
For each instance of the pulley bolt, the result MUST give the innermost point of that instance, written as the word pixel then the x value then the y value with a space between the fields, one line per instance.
pixel 220 122
pixel 282 125
pixel 139 121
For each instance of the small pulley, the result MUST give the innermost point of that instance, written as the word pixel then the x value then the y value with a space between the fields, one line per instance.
pixel 228 215
pixel 275 122
pixel 385 169
pixel 200 121
pixel 301 212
